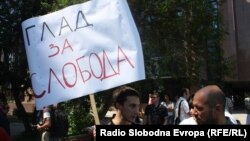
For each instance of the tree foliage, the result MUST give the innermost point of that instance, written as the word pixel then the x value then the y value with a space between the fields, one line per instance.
pixel 180 38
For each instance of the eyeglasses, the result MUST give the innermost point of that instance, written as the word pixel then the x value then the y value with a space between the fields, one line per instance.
pixel 153 97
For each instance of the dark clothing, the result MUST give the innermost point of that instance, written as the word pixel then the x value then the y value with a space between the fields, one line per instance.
pixel 4 135
pixel 156 114
pixel 4 122
pixel 171 120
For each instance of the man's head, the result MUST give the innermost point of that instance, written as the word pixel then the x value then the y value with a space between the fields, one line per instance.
pixel 127 103
pixel 149 98
pixel 166 97
pixel 155 97
pixel 208 105
pixel 185 93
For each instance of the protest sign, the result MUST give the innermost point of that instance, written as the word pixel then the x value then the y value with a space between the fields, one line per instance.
pixel 82 49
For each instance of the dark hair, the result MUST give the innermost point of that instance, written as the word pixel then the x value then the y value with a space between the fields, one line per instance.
pixel 183 91
pixel 120 94
pixel 155 92
pixel 166 94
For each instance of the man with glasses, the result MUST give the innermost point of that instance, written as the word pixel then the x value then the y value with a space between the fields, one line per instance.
pixel 155 113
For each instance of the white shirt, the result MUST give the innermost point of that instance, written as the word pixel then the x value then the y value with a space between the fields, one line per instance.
pixel 169 105
pixel 46 115
pixel 188 121
pixel 184 107
pixel 192 121
pixel 230 116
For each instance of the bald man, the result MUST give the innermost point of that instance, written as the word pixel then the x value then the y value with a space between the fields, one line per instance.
pixel 209 106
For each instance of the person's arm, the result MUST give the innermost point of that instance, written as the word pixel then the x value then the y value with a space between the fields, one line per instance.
pixel 171 107
pixel 186 108
pixel 46 124
pixel 165 114
pixel 165 120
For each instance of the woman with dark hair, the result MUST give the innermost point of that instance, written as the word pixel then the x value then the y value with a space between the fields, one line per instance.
pixel 170 107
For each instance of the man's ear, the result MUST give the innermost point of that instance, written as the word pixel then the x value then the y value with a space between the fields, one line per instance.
pixel 219 107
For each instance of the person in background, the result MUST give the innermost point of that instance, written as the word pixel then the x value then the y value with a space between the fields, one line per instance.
pixel 60 123
pixel 155 113
pixel 170 107
pixel 183 105
pixel 45 126
pixel 209 106
pixel 29 94
pixel 229 105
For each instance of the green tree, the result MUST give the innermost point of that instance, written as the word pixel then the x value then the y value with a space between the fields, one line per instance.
pixel 178 36
pixel 11 48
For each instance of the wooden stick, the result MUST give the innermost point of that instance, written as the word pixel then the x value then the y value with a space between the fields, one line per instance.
pixel 93 106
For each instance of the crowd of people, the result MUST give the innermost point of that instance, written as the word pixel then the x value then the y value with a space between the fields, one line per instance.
pixel 208 105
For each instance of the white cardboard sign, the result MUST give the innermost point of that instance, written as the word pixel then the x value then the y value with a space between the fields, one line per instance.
pixel 82 49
